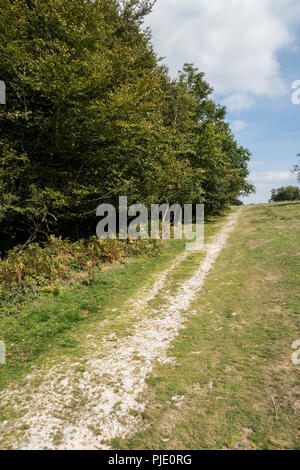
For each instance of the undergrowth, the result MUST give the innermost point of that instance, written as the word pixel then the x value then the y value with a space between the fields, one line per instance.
pixel 25 273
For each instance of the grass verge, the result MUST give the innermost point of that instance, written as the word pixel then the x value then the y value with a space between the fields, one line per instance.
pixel 234 385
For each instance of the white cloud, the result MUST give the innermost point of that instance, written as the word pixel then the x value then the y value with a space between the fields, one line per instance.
pixel 238 102
pixel 256 163
pixel 265 181
pixel 235 42
pixel 239 125
pixel 274 176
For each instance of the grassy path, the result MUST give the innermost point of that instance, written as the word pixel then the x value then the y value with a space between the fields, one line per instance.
pixel 123 377
pixel 86 398
pixel 232 383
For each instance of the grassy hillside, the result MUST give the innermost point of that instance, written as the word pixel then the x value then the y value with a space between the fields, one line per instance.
pixel 234 383
pixel 230 382
pixel 38 314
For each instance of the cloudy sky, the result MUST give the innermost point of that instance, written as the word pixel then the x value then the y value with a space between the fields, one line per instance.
pixel 250 53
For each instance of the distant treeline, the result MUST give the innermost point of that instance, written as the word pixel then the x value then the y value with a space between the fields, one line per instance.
pixel 91 114
pixel 285 193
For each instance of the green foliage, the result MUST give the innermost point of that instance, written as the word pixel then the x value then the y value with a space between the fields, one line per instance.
pixel 91 115
pixel 45 268
pixel 285 193
pixel 237 202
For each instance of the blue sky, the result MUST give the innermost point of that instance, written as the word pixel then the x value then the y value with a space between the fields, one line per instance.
pixel 250 53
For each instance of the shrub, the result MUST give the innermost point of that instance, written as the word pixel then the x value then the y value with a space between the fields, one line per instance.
pixel 39 268
pixel 285 193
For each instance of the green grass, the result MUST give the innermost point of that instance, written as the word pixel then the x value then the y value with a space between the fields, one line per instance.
pixel 231 383
pixel 233 368
pixel 51 326
pixel 188 266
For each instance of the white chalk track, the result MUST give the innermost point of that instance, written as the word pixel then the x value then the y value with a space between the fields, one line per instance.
pixel 111 385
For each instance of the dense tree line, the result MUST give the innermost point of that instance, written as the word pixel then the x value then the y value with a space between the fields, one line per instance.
pixel 92 114
pixel 285 193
